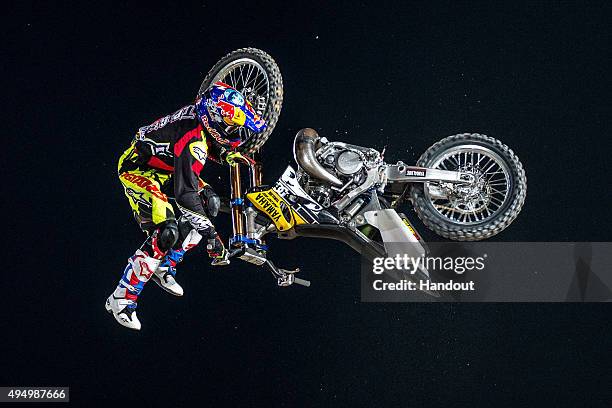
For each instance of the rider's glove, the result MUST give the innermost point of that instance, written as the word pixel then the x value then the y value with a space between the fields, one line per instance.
pixel 211 201
pixel 215 248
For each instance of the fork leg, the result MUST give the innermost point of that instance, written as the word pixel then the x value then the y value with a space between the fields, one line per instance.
pixel 236 202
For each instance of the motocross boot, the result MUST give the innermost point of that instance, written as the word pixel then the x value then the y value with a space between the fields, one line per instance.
pixel 123 301
pixel 165 274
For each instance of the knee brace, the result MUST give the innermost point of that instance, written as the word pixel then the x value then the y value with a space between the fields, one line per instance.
pixel 167 235
pixel 211 201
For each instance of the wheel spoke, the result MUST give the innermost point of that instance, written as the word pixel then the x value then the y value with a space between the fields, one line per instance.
pixel 494 190
pixel 496 200
pixel 260 84
pixel 481 157
pixel 241 78
pixel 248 76
pixel 232 78
pixel 486 171
pixel 455 160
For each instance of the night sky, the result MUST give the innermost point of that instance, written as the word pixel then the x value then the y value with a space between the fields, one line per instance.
pixel 82 79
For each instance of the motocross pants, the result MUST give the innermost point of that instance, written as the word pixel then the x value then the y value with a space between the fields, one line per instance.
pixel 167 238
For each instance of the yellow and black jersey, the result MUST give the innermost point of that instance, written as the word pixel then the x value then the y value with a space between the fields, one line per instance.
pixel 175 146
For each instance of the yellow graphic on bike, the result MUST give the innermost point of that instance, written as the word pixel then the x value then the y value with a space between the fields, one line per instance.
pixel 407 223
pixel 276 208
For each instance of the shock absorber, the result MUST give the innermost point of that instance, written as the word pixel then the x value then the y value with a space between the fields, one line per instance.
pixel 354 207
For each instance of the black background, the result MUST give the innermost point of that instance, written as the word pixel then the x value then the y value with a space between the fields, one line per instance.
pixel 82 79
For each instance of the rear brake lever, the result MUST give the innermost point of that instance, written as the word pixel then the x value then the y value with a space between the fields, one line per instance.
pixel 234 252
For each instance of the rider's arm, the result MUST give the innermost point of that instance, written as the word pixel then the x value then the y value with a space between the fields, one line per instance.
pixel 216 152
pixel 221 154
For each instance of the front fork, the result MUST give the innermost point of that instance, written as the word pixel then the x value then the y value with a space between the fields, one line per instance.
pixel 242 243
pixel 237 203
pixel 245 247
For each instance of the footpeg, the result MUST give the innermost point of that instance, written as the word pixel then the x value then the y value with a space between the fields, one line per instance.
pixel 252 256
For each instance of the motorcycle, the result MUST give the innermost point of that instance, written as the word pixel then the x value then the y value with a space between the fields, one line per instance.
pixel 466 187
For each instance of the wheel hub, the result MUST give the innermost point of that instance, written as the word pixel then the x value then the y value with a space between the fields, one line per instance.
pixel 470 197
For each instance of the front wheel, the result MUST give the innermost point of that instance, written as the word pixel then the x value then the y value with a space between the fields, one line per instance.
pixel 256 75
pixel 482 208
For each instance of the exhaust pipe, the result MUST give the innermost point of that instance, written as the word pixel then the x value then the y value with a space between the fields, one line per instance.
pixel 304 147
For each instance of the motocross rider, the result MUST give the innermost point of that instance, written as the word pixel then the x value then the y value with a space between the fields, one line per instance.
pixel 165 159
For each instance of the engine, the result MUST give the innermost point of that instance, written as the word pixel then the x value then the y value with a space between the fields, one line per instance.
pixel 330 170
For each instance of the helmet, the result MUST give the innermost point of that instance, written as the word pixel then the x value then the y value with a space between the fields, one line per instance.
pixel 223 110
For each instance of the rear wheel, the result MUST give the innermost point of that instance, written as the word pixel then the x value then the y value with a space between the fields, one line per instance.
pixel 256 75
pixel 477 210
